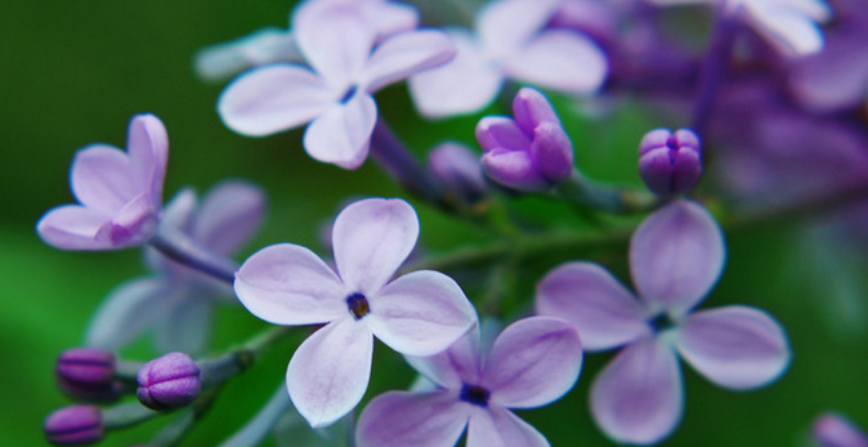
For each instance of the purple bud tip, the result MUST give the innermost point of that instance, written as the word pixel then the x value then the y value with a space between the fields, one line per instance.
pixel 169 382
pixel 75 425
pixel 88 374
pixel 670 163
pixel 458 168
pixel 831 430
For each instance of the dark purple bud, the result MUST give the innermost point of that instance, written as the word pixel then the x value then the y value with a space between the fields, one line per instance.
pixel 832 430
pixel 75 425
pixel 88 373
pixel 168 382
pixel 458 168
pixel 670 163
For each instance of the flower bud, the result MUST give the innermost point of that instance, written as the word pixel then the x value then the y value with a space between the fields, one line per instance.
pixel 530 152
pixel 831 430
pixel 458 168
pixel 75 425
pixel 88 373
pixel 670 163
pixel 168 382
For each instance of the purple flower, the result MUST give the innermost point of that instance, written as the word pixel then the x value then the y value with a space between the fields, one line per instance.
pixel 670 163
pixel 529 153
pixel 420 313
pixel 676 256
pixel 532 363
pixel 832 430
pixel 178 302
pixel 334 95
pixel 509 43
pixel 120 194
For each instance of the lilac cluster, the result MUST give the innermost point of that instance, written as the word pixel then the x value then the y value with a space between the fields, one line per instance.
pixel 323 72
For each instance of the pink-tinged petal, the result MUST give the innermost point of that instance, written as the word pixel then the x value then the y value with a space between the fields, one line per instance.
pixel 832 430
pixel 400 419
pixel 406 54
pixel 230 214
pixel 187 326
pixel 148 146
pixel 329 372
pixel 290 285
pixel 103 179
pixel 129 311
pixel 134 224
pixel 500 132
pixel 454 367
pixel 735 347
pixel 505 25
pixel 498 427
pixel 638 398
pixel 606 314
pixel 371 239
pixel 515 169
pixel 421 313
pixel 466 85
pixel 342 135
pixel 676 256
pixel 73 227
pixel 336 42
pixel 533 362
pixel 560 60
pixel 274 98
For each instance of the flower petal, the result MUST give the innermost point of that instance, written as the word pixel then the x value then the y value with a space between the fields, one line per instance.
pixel 406 54
pixel 288 284
pixel 130 310
pixel 638 397
pixel 103 179
pixel 342 135
pixel 420 313
pixel 73 227
pixel 336 42
pixel 606 314
pixel 514 169
pixel 229 215
pixel 272 99
pixel 452 368
pixel 505 25
pixel 187 326
pixel 466 85
pixel 735 347
pixel 329 372
pixel 792 32
pixel 533 362
pixel 834 430
pixel 224 60
pixel 148 147
pixel 560 60
pixel 371 239
pixel 498 427
pixel 500 132
pixel 676 256
pixel 399 419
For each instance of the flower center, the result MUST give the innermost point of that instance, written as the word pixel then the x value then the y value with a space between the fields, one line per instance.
pixel 349 94
pixel 358 305
pixel 661 322
pixel 475 395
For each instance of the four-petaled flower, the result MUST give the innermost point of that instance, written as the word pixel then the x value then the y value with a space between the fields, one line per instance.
pixel 120 194
pixel 676 256
pixel 420 313
pixel 532 363
pixel 335 93
pixel 179 301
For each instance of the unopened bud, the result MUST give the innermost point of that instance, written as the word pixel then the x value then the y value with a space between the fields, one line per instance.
pixel 168 382
pixel 75 425
pixel 88 374
pixel 458 168
pixel 670 163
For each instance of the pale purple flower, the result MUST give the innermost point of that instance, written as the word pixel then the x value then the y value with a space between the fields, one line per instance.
pixel 509 42
pixel 676 256
pixel 532 363
pixel 334 94
pixel 119 194
pixel 529 152
pixel 833 430
pixel 791 26
pixel 420 313
pixel 178 302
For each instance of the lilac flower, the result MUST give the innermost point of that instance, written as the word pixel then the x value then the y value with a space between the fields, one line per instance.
pixel 529 153
pixel 791 26
pixel 532 363
pixel 670 163
pixel 832 430
pixel 676 256
pixel 334 95
pixel 120 194
pixel 420 313
pixel 178 301
pixel 509 42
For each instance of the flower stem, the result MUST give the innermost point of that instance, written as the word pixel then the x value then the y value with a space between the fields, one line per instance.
pixel 713 71
pixel 178 247
pixel 580 190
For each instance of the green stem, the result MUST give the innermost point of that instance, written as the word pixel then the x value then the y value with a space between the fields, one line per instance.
pixel 581 191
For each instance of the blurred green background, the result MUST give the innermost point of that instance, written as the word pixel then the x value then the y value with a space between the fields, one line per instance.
pixel 73 73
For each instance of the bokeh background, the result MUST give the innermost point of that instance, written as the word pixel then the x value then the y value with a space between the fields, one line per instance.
pixel 73 73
